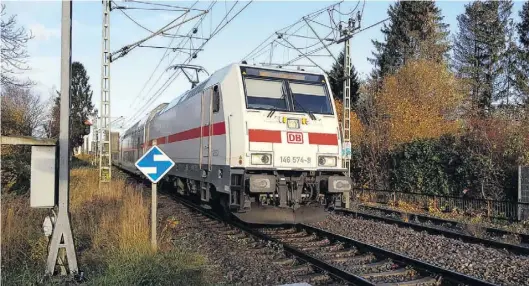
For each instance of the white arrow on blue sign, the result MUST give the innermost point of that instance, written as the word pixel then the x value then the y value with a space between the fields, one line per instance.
pixel 154 164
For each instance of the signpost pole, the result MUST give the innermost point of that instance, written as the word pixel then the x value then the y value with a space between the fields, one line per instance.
pixel 154 206
pixel 62 233
pixel 154 164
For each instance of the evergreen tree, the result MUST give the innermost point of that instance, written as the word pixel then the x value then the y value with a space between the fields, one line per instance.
pixel 522 76
pixel 81 106
pixel 479 49
pixel 415 31
pixel 336 78
pixel 506 82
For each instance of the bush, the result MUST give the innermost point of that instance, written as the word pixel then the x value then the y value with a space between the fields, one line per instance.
pixel 446 166
pixel 16 169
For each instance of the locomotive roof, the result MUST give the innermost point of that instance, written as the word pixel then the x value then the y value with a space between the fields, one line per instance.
pixel 216 77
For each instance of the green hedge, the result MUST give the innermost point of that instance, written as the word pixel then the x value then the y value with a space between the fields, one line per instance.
pixel 447 165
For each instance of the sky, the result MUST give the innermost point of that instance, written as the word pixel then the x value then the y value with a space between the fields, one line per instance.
pixel 130 88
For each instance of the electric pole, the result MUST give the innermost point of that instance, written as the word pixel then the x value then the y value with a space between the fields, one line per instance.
pixel 105 151
pixel 347 34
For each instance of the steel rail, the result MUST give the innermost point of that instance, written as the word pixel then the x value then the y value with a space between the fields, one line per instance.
pixel 446 274
pixel 331 269
pixel 249 228
pixel 517 248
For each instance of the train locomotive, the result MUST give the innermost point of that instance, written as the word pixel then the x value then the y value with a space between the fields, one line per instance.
pixel 262 144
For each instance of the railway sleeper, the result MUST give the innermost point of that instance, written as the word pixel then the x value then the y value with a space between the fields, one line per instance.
pixel 274 231
pixel 300 269
pixel 307 238
pixel 315 277
pixel 301 244
pixel 399 275
pixel 425 281
pixel 340 253
pixel 329 247
pixel 380 266
pixel 285 261
pixel 358 259
pixel 289 235
pixel 397 272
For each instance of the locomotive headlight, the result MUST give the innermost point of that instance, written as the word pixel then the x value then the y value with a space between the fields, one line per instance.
pixel 293 123
pixel 261 159
pixel 327 161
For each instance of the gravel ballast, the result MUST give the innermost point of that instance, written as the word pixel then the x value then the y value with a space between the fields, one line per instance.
pixel 232 259
pixel 496 266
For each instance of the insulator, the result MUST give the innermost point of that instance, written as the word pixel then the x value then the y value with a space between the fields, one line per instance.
pixel 195 30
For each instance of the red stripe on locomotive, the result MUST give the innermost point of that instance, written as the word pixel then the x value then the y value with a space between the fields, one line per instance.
pixel 267 136
pixel 323 139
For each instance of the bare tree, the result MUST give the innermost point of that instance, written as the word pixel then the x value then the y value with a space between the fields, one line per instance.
pixel 22 111
pixel 14 53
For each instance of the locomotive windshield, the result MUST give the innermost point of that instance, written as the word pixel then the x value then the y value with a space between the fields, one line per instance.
pixel 282 91
pixel 265 94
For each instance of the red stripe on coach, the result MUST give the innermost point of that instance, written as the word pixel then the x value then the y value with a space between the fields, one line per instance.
pixel 323 139
pixel 267 136
pixel 218 129
pixel 161 140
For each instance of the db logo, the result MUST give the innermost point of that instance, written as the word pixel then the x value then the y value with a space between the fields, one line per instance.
pixel 295 137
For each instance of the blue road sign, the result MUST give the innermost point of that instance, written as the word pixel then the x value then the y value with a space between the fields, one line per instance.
pixel 154 164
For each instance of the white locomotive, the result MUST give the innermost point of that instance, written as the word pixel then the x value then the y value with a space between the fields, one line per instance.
pixel 261 143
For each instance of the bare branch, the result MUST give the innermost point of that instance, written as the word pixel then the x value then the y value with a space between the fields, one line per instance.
pixel 13 50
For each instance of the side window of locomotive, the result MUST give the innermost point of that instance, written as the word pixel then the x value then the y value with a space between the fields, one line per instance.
pixel 216 99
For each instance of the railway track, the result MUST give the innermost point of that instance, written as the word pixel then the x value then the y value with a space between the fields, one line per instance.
pixel 447 228
pixel 319 257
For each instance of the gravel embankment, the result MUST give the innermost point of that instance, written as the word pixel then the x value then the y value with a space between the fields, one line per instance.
pixel 496 266
pixel 519 227
pixel 232 260
pixel 464 228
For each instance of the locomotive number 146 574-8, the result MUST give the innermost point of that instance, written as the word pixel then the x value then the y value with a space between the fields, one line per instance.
pixel 295 159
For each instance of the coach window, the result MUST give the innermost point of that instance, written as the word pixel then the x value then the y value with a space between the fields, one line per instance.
pixel 216 99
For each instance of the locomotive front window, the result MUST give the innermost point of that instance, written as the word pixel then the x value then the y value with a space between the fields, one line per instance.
pixel 310 97
pixel 265 94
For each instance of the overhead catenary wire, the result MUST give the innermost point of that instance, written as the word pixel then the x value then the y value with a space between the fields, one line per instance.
pixel 176 73
pixel 160 61
pixel 225 21
pixel 182 43
pixel 172 77
pixel 126 49
pixel 165 5
pixel 285 29
pixel 314 22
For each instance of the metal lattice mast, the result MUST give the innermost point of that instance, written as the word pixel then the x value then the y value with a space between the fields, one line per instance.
pixel 105 150
pixel 347 106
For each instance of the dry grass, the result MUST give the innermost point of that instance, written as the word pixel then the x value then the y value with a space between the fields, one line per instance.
pixel 111 229
pixel 122 221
